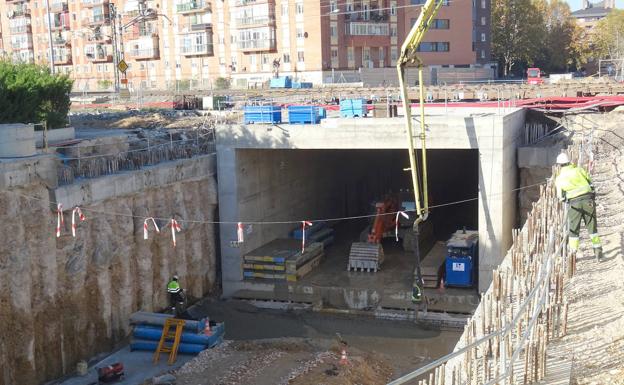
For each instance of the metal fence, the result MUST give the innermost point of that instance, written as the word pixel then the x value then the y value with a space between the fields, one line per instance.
pixel 524 308
pixel 100 165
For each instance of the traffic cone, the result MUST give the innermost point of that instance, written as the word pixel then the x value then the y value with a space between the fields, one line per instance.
pixel 343 357
pixel 207 330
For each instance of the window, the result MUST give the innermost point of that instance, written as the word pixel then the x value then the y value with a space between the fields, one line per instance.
pixel 333 7
pixel 433 47
pixel 482 54
pixel 372 29
pixel 300 57
pixel 417 2
pixel 284 9
pixel 393 9
pixel 299 32
pixel 349 7
pixel 393 30
pixel 333 31
pixel 437 23
pixel 394 54
pixel 350 53
pixel 299 8
pixel 265 59
pixel 252 60
pixel 482 36
pixel 382 54
pixel 365 54
pixel 286 58
pixel 483 20
pixel 334 53
pixel 483 4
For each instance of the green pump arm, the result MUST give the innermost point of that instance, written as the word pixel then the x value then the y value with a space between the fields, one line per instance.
pixel 409 56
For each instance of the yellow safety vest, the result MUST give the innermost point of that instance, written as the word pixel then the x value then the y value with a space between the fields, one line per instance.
pixel 574 181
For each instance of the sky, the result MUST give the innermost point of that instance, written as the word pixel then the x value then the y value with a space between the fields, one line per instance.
pixel 576 4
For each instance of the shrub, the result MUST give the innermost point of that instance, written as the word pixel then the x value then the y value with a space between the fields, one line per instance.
pixel 30 94
pixel 222 83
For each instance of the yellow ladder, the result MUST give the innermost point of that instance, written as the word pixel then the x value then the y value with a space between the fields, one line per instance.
pixel 170 341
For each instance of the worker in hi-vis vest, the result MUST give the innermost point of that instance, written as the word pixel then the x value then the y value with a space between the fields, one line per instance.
pixel 574 186
pixel 176 295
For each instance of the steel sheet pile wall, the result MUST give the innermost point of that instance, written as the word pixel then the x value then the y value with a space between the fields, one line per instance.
pixel 523 309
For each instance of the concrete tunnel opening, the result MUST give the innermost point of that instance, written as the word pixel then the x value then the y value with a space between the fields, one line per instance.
pixel 322 184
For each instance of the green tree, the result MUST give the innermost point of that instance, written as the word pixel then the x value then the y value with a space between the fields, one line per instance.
pixel 566 45
pixel 222 83
pixel 517 32
pixel 608 37
pixel 30 94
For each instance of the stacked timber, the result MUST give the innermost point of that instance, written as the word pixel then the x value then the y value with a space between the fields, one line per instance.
pixel 282 260
pixel 148 329
pixel 318 232
pixel 431 267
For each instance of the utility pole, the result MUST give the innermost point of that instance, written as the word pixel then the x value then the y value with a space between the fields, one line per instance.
pixel 113 16
pixel 47 3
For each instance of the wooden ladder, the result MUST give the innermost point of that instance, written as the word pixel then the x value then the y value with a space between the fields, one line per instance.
pixel 170 341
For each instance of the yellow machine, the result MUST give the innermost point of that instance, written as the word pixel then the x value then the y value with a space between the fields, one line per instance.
pixel 409 51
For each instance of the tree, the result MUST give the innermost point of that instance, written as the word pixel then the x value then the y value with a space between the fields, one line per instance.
pixel 566 45
pixel 516 29
pixel 30 94
pixel 222 83
pixel 608 37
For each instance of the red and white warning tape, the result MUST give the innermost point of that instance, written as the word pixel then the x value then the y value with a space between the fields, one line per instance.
pixel 59 219
pixel 396 225
pixel 240 232
pixel 175 227
pixel 303 227
pixel 81 216
pixel 145 226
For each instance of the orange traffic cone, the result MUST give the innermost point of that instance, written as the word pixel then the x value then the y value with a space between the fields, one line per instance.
pixel 343 357
pixel 207 330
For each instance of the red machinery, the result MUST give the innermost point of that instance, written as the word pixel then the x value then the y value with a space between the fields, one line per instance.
pixel 534 76
pixel 385 219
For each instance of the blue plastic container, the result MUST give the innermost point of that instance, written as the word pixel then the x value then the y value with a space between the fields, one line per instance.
pixel 462 252
pixel 350 108
pixel 303 115
pixel 262 114
pixel 281 82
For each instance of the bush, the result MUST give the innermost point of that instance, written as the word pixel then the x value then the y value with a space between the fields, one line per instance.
pixel 30 94
pixel 104 84
pixel 222 83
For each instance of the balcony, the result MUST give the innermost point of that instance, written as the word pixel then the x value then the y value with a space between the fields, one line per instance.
pixel 144 54
pixel 18 29
pixel 96 20
pixel 246 22
pixel 63 59
pixel 370 16
pixel 18 12
pixel 144 48
pixel 242 3
pixel 98 54
pixel 60 27
pixel 17 1
pixel 368 29
pixel 22 46
pixel 60 41
pixel 256 45
pixel 197 50
pixel 93 3
pixel 59 7
pixel 194 7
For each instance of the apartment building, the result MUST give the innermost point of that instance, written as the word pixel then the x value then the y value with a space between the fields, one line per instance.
pixel 189 43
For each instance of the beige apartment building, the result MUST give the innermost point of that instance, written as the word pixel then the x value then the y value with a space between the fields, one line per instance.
pixel 183 44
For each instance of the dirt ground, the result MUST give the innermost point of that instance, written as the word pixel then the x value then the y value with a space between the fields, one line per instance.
pixel 595 339
pixel 167 119
pixel 269 347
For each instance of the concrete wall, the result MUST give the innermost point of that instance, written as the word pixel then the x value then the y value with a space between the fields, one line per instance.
pixel 66 299
pixel 495 136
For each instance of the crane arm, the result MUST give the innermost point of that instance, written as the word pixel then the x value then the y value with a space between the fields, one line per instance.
pixel 408 55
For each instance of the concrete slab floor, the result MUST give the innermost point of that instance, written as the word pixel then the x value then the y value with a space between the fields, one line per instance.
pixel 390 288
pixel 138 367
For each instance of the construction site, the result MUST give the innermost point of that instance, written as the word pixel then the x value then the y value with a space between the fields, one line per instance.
pixel 340 235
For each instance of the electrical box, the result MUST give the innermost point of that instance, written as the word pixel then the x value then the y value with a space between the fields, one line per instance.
pixel 461 257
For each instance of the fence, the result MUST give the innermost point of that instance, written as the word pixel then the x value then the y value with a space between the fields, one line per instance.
pixel 505 341
pixel 96 166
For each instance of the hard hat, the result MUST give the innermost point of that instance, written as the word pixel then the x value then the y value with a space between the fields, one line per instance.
pixel 175 278
pixel 563 158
